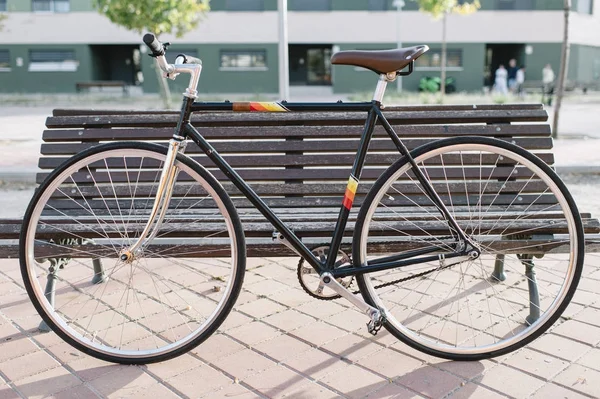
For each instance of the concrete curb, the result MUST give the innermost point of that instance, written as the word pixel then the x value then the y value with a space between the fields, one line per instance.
pixel 578 169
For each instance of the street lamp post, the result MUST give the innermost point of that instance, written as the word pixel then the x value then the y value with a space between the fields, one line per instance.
pixel 398 4
pixel 284 81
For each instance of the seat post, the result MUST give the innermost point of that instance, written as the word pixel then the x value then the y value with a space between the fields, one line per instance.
pixel 384 78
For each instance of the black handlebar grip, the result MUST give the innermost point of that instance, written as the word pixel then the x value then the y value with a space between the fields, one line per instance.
pixel 153 44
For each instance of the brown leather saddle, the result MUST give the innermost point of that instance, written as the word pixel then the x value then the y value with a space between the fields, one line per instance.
pixel 380 61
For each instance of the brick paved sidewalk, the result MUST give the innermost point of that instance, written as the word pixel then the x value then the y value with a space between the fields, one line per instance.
pixel 273 345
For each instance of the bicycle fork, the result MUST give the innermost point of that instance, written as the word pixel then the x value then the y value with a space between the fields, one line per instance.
pixel 161 202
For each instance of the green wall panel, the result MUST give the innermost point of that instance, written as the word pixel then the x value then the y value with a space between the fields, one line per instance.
pixel 220 82
pixel 348 79
pixel 221 5
pixel 20 80
pixel 584 63
pixel 542 54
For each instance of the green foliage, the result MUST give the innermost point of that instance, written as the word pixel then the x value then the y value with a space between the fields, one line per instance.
pixel 156 16
pixel 438 8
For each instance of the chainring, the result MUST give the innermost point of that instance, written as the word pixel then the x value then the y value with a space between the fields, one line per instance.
pixel 308 277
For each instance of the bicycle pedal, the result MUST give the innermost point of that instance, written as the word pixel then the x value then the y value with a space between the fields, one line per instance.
pixel 376 323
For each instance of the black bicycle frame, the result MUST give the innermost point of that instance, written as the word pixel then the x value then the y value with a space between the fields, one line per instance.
pixel 184 129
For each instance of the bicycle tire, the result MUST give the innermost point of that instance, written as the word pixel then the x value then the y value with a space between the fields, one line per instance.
pixel 445 320
pixel 162 305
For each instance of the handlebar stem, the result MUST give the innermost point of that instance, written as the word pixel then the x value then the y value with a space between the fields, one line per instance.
pixel 173 69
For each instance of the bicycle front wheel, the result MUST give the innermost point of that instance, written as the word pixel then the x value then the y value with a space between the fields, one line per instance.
pixel 162 302
pixel 517 212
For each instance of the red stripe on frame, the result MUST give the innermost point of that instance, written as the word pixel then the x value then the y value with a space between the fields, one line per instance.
pixel 347 203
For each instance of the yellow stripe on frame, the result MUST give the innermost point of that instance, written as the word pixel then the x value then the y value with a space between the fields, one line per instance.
pixel 352 184
pixel 268 107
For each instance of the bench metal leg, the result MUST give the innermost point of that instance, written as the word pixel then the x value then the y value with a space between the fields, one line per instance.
pixel 49 293
pixel 498 273
pixel 534 296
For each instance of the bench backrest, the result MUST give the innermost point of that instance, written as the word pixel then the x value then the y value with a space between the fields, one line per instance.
pixel 297 160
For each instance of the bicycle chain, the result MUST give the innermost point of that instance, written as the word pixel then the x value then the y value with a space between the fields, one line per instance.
pixel 383 285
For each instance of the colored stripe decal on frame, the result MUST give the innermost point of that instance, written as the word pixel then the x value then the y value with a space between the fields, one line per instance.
pixel 350 192
pixel 259 107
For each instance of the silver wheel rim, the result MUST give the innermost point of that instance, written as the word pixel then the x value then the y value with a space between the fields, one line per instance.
pixel 58 319
pixel 524 334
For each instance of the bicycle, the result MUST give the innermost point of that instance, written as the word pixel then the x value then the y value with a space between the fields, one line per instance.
pixel 428 285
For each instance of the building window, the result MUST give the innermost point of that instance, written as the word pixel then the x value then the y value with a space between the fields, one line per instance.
pixel 515 4
pixel 432 60
pixel 585 6
pixel 50 5
pixel 378 5
pixel 310 5
pixel 243 60
pixel 2 5
pixel 52 61
pixel 245 5
pixel 4 61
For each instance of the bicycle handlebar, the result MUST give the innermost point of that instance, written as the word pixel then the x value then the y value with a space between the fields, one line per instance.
pixel 154 45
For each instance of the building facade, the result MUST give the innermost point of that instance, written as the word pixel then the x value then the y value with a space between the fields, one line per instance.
pixel 50 45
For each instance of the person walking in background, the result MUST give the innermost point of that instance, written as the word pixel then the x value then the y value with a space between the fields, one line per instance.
pixel 548 84
pixel 520 80
pixel 500 85
pixel 512 75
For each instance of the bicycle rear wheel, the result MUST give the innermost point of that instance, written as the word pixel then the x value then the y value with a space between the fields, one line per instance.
pixel 171 296
pixel 517 212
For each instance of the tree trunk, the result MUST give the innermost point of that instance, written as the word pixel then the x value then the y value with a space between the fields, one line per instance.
pixel 444 55
pixel 564 66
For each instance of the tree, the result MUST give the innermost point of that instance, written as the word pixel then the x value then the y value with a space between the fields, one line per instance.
pixel 441 9
pixel 564 65
pixel 157 16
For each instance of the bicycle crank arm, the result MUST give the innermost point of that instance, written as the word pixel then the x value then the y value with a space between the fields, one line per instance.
pixel 375 315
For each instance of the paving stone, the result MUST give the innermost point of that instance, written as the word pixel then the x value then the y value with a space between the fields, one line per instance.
pixel 276 382
pixel 353 347
pixel 393 391
pixel 583 332
pixel 318 333
pixel 349 319
pixel 233 320
pixel 231 391
pixel 168 369
pixel 429 381
pixel 260 308
pixel 123 382
pixel 320 309
pixel 46 383
pixel 77 392
pixel 475 391
pixel 7 392
pixel 254 332
pixel 581 379
pixel 289 320
pixel 311 391
pixel 315 363
pixel 216 347
pixel 536 363
pixel 354 382
pixel 199 381
pixel 558 346
pixel 511 382
pixel 283 347
pixel 466 370
pixel 591 359
pixel 293 297
pixel 589 315
pixel 32 363
pixel 556 391
pixel 89 368
pixel 266 287
pixel 154 391
pixel 390 363
pixel 243 364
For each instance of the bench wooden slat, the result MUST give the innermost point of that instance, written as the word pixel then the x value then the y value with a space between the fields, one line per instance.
pixel 536 106
pixel 266 132
pixel 322 146
pixel 300 118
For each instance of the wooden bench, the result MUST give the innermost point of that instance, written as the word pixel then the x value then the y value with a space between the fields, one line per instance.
pixel 80 86
pixel 304 159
